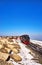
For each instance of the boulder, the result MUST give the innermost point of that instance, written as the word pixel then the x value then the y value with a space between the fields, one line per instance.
pixel 16 57
pixel 5 63
pixel 4 56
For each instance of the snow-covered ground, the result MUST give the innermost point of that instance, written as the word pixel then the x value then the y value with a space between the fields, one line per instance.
pixel 36 42
pixel 26 57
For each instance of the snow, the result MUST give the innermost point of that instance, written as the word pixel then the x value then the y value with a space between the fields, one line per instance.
pixel 26 57
pixel 36 42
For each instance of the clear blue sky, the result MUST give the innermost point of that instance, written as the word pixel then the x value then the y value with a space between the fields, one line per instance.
pixel 20 17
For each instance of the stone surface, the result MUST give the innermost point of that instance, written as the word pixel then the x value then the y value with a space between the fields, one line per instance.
pixel 15 50
pixel 5 63
pixel 16 57
pixel 3 56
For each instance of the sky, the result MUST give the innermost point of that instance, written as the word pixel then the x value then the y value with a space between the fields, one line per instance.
pixel 20 17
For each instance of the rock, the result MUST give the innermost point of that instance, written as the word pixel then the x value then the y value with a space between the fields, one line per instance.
pixel 11 46
pixel 3 50
pixel 16 57
pixel 4 56
pixel 36 47
pixel 8 50
pixel 10 40
pixel 17 46
pixel 5 63
pixel 1 46
pixel 15 50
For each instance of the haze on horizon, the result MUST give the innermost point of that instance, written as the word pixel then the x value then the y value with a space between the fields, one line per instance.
pixel 21 17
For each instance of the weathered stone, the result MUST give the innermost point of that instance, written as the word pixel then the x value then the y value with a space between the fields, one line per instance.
pixel 1 46
pixel 8 50
pixel 3 50
pixel 3 56
pixel 16 57
pixel 15 50
pixel 5 63
pixel 36 47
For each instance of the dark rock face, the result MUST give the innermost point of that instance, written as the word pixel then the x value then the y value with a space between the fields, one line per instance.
pixel 36 47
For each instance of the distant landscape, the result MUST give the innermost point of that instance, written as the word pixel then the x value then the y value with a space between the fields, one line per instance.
pixel 33 37
pixel 36 37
